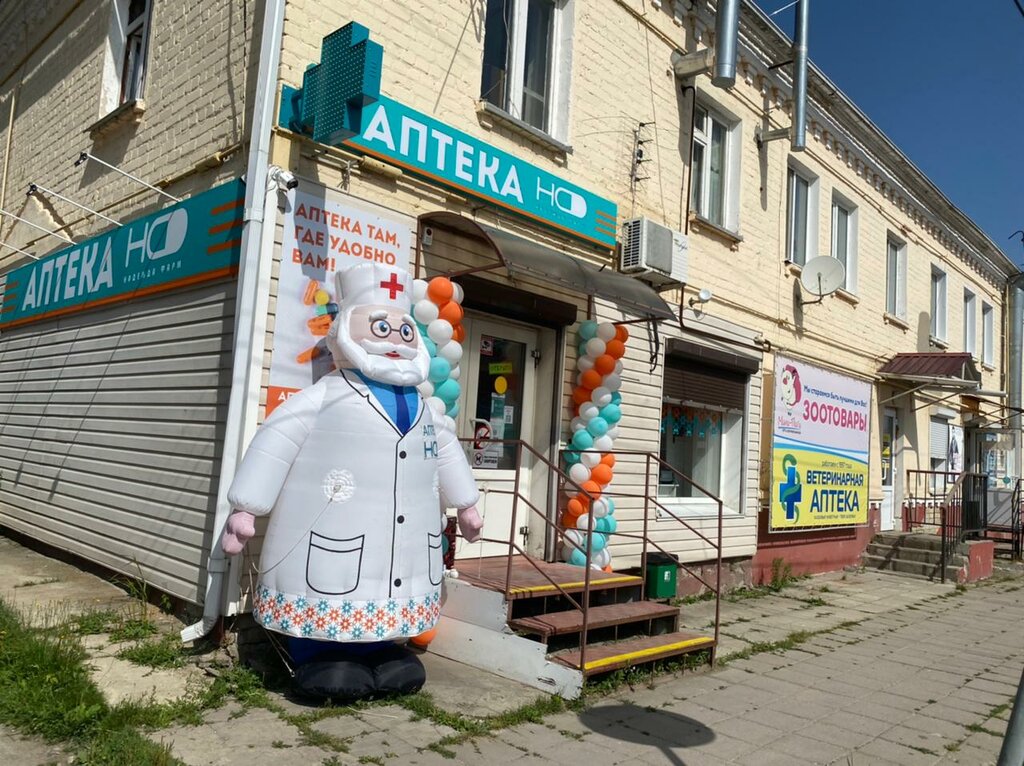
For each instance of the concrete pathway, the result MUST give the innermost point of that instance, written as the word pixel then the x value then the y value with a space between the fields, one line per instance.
pixel 856 668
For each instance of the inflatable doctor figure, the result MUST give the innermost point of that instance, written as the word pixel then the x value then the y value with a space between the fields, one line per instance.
pixel 350 471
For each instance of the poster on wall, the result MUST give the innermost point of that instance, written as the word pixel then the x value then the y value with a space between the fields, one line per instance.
pixel 324 231
pixel 820 443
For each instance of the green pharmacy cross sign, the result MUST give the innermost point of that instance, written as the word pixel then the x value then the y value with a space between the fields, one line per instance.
pixel 340 104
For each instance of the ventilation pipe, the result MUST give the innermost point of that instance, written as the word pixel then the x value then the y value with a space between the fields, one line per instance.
pixel 727 21
pixel 798 138
pixel 1015 343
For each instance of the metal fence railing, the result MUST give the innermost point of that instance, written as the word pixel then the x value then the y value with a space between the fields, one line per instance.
pixel 955 506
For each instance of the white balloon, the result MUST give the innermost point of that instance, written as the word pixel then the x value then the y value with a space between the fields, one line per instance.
pixel 579 473
pixel 449 423
pixel 582 521
pixel 584 363
pixel 426 388
pixel 570 491
pixel 600 508
pixel 457 292
pixel 611 381
pixel 590 457
pixel 419 290
pixel 456 372
pixel 437 404
pixel 567 552
pixel 601 396
pixel 606 331
pixel 601 558
pixel 424 312
pixel 595 347
pixel 604 443
pixel 589 411
pixel 452 351
pixel 619 367
pixel 613 433
pixel 440 331
pixel 576 424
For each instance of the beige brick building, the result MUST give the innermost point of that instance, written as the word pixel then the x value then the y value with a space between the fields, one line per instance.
pixel 573 90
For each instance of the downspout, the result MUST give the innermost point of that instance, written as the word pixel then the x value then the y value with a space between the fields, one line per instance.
pixel 1015 356
pixel 798 140
pixel 248 344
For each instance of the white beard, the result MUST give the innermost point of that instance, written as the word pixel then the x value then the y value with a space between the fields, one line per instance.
pixel 367 356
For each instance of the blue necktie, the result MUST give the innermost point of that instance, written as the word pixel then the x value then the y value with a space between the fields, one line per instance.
pixel 403 420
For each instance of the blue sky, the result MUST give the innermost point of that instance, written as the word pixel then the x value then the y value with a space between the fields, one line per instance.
pixel 944 79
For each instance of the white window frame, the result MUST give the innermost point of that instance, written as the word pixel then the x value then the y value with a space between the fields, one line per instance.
pixel 895 277
pixel 841 202
pixel 988 355
pixel 730 219
pixel 811 235
pixel 939 306
pixel 556 123
pixel 113 94
pixel 971 323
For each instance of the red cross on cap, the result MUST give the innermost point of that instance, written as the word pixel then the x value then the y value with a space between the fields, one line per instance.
pixel 393 286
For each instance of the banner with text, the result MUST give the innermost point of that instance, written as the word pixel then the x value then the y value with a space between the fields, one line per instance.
pixel 820 443
pixel 324 231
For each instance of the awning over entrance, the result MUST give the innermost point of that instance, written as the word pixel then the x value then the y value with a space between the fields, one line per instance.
pixel 938 369
pixel 523 258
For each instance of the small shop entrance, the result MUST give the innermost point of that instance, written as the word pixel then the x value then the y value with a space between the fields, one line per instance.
pixel 889 469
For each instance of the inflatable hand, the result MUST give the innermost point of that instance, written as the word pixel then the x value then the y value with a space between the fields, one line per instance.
pixel 239 529
pixel 470 523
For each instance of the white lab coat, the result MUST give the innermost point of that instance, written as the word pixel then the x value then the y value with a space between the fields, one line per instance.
pixel 353 548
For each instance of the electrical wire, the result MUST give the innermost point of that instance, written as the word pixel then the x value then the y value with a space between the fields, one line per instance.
pixel 1019 6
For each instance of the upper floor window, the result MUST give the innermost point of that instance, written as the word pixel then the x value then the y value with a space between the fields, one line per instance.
pixel 988 351
pixel 527 61
pixel 714 168
pixel 802 216
pixel 896 278
pixel 124 75
pixel 970 323
pixel 938 305
pixel 844 239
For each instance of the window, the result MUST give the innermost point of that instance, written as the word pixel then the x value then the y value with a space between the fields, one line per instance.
pixel 802 218
pixel 702 433
pixel 844 239
pixel 708 168
pixel 970 323
pixel 988 351
pixel 938 305
pixel 938 449
pixel 896 278
pixel 124 76
pixel 527 61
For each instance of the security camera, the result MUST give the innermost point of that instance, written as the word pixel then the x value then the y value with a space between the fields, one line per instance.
pixel 284 178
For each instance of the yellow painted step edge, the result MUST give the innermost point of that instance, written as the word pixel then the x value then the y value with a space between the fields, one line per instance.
pixel 580 584
pixel 701 640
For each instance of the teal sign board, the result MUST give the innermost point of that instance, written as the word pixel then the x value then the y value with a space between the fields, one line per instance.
pixel 193 241
pixel 357 117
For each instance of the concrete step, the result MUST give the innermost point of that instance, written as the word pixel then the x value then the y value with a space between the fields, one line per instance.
pixel 916 540
pixel 916 568
pixel 924 555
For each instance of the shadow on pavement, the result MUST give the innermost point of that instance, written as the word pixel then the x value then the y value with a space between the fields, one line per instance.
pixel 653 728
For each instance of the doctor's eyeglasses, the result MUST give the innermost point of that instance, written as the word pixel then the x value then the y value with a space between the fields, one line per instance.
pixel 381 328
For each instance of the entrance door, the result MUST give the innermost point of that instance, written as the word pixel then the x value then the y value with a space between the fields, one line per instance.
pixel 888 520
pixel 501 401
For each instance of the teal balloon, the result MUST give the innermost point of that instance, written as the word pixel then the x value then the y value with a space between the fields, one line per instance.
pixel 431 346
pixel 440 369
pixel 577 559
pixel 582 440
pixel 611 506
pixel 588 329
pixel 448 391
pixel 453 410
pixel 612 413
pixel 616 397
pixel 597 426
pixel 598 541
pixel 444 544
pixel 582 349
pixel 571 458
pixel 606 524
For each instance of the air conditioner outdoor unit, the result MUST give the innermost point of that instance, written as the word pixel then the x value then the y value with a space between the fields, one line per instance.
pixel 653 253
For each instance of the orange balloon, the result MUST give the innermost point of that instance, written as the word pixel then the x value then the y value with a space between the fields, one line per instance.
pixel 575 507
pixel 604 364
pixel 608 569
pixel 615 348
pixel 584 502
pixel 423 639
pixel 592 488
pixel 580 395
pixel 621 333
pixel 590 379
pixel 569 520
pixel 451 312
pixel 608 459
pixel 440 289
pixel 459 333
pixel 601 473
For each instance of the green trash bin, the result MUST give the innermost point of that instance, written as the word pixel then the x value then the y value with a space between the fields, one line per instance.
pixel 661 575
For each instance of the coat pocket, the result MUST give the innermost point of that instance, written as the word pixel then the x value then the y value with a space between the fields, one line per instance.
pixel 333 564
pixel 436 567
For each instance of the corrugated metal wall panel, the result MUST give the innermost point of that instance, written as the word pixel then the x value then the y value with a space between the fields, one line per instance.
pixel 110 427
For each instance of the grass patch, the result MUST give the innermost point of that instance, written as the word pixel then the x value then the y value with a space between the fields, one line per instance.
pixel 33 583
pixel 372 759
pixel 163 653
pixel 133 629
pixel 92 623
pixel 977 728
pixel 792 641
pixel 707 595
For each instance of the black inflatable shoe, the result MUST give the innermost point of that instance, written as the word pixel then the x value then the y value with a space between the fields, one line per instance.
pixel 337 680
pixel 396 670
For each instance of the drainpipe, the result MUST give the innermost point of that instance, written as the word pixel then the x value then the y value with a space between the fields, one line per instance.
pixel 798 140
pixel 1015 356
pixel 727 19
pixel 248 343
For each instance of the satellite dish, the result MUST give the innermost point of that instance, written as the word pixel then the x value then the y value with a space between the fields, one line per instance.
pixel 822 276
